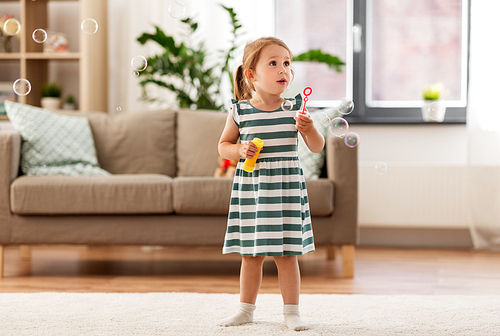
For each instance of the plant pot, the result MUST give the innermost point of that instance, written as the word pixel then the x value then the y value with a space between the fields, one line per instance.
pixel 51 103
pixel 69 106
pixel 433 111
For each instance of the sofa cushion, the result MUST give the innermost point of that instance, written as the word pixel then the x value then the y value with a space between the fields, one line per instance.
pixel 54 144
pixel 113 194
pixel 198 134
pixel 135 143
pixel 321 197
pixel 211 196
pixel 202 195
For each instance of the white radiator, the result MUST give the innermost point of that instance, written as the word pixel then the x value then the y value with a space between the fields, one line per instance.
pixel 413 196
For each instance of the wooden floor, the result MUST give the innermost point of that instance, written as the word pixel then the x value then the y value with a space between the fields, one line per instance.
pixel 146 269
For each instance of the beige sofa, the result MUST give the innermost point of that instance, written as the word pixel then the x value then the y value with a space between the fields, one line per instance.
pixel 161 191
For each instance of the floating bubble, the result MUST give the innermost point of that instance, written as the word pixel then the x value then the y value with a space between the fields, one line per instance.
pixel 287 105
pixel 176 9
pixel 381 168
pixel 436 111
pixel 139 63
pixel 21 87
pixel 325 119
pixel 136 73
pixel 345 106
pixel 339 127
pixel 89 26
pixel 11 27
pixel 351 139
pixel 39 35
pixel 118 109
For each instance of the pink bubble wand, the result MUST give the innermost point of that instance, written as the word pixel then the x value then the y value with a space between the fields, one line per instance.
pixel 307 92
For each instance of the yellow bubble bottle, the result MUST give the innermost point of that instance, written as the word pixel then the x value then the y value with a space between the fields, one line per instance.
pixel 249 164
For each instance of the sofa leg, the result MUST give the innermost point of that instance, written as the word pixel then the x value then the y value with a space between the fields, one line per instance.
pixel 348 261
pixel 331 251
pixel 1 261
pixel 25 252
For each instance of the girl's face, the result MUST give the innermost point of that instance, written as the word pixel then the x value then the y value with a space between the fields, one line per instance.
pixel 273 73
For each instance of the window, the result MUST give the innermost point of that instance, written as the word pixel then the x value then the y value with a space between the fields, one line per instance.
pixel 393 48
pixel 318 24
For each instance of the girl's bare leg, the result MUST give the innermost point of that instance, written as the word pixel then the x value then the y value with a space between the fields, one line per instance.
pixel 250 280
pixel 289 282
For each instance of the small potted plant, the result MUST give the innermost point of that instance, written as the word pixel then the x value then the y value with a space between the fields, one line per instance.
pixel 433 110
pixel 69 102
pixel 51 96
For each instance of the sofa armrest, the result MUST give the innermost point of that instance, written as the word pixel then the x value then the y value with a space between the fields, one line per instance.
pixel 342 169
pixel 10 153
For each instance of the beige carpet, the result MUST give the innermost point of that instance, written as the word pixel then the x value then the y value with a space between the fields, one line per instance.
pixel 198 314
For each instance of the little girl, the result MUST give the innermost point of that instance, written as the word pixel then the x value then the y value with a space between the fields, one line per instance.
pixel 269 211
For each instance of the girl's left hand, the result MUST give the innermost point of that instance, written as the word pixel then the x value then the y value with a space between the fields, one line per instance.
pixel 303 124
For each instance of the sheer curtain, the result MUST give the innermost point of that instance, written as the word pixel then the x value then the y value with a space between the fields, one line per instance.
pixel 128 19
pixel 483 125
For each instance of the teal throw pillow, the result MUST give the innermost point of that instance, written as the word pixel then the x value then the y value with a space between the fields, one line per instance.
pixel 312 163
pixel 53 144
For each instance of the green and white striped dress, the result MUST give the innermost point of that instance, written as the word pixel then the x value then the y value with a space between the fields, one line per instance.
pixel 269 210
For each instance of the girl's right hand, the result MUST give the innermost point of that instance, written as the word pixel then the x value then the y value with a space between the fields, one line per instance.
pixel 248 150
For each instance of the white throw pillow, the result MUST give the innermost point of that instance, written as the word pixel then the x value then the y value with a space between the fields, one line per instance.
pixel 53 144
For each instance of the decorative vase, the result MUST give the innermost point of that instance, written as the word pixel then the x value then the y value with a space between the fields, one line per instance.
pixel 51 103
pixel 6 44
pixel 69 106
pixel 433 111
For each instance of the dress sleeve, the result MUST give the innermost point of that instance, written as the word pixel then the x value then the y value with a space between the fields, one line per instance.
pixel 233 109
pixel 299 101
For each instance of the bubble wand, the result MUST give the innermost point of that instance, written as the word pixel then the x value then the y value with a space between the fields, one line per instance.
pixel 307 92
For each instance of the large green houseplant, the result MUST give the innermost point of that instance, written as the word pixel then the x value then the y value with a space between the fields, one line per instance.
pixel 182 67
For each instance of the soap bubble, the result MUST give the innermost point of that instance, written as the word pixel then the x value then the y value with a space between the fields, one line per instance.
pixel 136 73
pixel 11 27
pixel 118 109
pixel 89 26
pixel 139 63
pixel 381 168
pixel 22 87
pixel 325 119
pixel 287 105
pixel 351 139
pixel 436 111
pixel 176 9
pixel 39 35
pixel 345 106
pixel 339 127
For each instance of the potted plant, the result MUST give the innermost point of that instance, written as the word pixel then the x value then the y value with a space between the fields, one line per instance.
pixel 51 96
pixel 69 102
pixel 183 67
pixel 433 110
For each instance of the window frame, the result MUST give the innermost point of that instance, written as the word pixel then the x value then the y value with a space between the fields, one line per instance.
pixel 364 114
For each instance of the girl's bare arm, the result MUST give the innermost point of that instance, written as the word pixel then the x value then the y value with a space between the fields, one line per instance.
pixel 228 146
pixel 313 139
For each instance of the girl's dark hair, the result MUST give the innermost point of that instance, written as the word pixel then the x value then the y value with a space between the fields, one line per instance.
pixel 242 88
